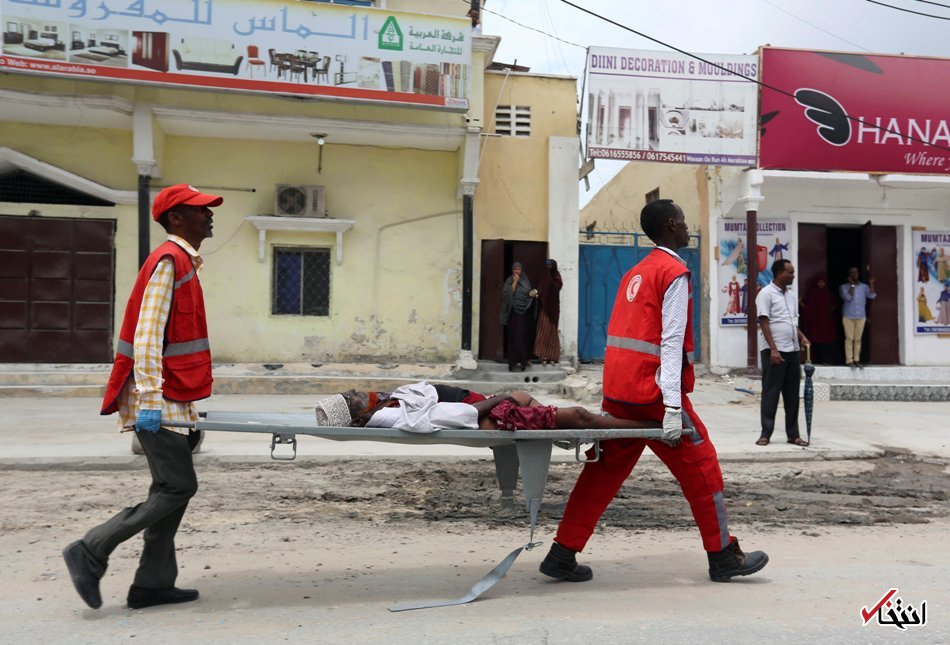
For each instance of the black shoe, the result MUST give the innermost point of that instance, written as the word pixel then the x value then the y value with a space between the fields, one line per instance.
pixel 560 563
pixel 140 597
pixel 853 365
pixel 858 365
pixel 731 562
pixel 85 572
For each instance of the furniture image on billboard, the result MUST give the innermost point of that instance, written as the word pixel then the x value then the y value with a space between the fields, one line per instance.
pixel 207 55
pixel 322 70
pixel 254 60
pixel 150 49
pixel 44 42
pixel 12 37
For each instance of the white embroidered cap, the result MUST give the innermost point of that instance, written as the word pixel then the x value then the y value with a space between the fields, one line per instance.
pixel 333 411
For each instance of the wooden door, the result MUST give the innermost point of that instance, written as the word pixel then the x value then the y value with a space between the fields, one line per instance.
pixel 879 255
pixel 56 290
pixel 491 344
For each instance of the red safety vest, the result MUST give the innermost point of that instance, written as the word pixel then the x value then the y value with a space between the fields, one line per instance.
pixel 186 353
pixel 635 329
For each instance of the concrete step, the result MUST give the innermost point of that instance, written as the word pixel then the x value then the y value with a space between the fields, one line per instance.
pixel 888 391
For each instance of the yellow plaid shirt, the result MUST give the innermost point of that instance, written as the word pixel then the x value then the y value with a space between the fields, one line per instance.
pixel 144 390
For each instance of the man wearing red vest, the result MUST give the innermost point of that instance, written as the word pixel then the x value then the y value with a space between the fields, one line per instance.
pixel 648 374
pixel 162 365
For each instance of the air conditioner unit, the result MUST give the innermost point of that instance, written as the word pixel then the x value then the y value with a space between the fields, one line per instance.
pixel 300 201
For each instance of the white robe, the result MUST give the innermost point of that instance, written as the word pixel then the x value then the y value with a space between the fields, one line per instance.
pixel 419 411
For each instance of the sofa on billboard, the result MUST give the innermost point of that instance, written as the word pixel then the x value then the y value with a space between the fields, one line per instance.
pixel 207 55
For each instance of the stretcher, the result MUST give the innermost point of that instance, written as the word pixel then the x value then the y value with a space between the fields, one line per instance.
pixel 526 450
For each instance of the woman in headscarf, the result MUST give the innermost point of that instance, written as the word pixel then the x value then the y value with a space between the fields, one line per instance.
pixel 517 296
pixel 818 320
pixel 943 306
pixel 547 345
pixel 923 309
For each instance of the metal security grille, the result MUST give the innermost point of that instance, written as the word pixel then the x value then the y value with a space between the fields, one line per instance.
pixel 20 187
pixel 301 282
pixel 513 120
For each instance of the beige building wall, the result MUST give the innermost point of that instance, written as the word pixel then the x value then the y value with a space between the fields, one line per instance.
pixel 617 205
pixel 512 202
pixel 516 186
pixel 387 299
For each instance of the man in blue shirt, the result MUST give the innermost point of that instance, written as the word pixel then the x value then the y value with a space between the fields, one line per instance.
pixel 855 295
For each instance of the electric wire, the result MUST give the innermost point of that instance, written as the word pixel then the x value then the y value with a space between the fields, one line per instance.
pixel 521 24
pixel 743 76
pixel 811 24
pixel 936 4
pixel 919 13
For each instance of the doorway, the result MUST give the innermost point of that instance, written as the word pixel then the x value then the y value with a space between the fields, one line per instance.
pixel 831 251
pixel 497 258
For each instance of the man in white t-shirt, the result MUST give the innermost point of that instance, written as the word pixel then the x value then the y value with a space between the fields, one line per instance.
pixel 780 340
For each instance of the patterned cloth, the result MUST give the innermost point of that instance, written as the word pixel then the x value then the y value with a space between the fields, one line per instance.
pixel 547 345
pixel 508 415
pixel 144 390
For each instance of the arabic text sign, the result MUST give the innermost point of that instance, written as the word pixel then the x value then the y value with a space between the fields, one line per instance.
pixel 664 106
pixel 854 112
pixel 279 46
pixel 773 239
pixel 931 273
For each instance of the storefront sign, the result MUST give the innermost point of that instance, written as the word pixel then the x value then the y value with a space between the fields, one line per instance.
pixel 854 112
pixel 773 239
pixel 664 106
pixel 274 46
pixel 932 281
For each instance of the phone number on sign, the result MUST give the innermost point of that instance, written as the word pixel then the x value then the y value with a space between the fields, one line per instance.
pixel 638 155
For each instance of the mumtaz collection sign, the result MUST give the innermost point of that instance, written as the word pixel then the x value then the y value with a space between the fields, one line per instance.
pixel 860 112
pixel 773 242
pixel 274 46
pixel 668 107
pixel 932 282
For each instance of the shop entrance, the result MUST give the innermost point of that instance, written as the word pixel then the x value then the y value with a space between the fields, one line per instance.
pixel 831 251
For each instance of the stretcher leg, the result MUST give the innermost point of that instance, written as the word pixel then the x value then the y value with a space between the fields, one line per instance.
pixel 535 458
pixel 506 471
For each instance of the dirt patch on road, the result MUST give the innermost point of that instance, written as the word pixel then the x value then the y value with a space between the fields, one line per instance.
pixel 893 489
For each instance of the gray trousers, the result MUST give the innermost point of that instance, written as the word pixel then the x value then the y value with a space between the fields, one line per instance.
pixel 782 379
pixel 173 484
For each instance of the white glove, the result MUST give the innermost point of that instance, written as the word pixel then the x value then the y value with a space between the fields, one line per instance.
pixel 672 425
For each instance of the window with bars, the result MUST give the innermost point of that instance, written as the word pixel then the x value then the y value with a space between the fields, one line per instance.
pixel 301 282
pixel 513 120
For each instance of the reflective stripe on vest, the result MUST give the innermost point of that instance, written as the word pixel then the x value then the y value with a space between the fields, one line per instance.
pixel 641 346
pixel 174 349
pixel 185 279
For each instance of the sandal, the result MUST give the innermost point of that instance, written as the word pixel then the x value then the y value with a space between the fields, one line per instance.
pixel 763 441
pixel 798 441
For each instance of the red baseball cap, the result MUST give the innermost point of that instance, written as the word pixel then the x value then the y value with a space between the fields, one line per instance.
pixel 179 194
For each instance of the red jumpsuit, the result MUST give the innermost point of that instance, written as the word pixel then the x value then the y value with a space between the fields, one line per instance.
pixel 630 392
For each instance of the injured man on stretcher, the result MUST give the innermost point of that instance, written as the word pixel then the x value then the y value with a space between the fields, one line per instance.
pixel 424 408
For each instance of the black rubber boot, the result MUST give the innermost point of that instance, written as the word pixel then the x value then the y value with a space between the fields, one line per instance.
pixel 560 563
pixel 731 562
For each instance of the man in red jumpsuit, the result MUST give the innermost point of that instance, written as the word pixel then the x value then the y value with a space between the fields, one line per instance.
pixel 648 374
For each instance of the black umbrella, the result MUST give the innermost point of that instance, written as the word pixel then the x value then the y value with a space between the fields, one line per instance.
pixel 809 394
